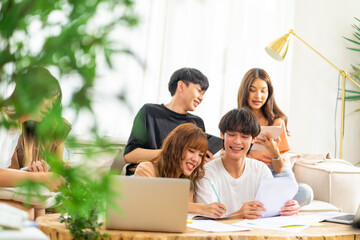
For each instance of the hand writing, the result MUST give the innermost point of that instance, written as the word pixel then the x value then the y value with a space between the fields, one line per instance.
pixel 214 209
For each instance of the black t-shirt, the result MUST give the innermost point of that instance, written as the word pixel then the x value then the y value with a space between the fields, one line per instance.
pixel 153 123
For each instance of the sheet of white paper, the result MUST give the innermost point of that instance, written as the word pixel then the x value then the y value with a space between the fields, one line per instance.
pixel 275 192
pixel 287 223
pixel 214 226
pixel 275 132
pixel 286 228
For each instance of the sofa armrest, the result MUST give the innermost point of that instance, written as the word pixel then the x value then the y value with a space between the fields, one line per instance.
pixel 333 180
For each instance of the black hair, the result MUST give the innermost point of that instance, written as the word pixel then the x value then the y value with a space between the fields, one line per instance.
pixel 240 120
pixel 187 75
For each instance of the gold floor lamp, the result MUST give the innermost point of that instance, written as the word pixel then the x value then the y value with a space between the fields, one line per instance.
pixel 278 48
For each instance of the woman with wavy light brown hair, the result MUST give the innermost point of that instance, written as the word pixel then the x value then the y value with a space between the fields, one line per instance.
pixel 182 156
pixel 256 93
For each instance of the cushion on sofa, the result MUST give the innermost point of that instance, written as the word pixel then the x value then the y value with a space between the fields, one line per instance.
pixel 292 157
pixel 319 206
pixel 333 180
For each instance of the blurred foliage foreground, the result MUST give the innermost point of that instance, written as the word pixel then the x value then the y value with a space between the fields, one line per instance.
pixel 67 36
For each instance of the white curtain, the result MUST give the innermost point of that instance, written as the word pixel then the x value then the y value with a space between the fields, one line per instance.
pixel 223 39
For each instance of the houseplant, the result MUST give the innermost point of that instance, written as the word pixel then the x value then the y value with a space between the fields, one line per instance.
pixel 353 95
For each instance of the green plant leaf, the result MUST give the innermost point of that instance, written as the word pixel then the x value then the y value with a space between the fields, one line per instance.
pixel 353 41
pixel 356 27
pixel 357 36
pixel 352 98
pixel 354 49
pixel 352 91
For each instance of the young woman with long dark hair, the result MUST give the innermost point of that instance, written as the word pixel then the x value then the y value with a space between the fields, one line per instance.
pixel 256 93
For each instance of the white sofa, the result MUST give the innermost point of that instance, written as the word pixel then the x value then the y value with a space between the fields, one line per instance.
pixel 335 182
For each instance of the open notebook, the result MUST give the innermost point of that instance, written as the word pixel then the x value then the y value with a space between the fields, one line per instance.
pixel 150 204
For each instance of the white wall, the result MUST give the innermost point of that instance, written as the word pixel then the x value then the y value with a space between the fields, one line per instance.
pixel 314 82
pixel 225 38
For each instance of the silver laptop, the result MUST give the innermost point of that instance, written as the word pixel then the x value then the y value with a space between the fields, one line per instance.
pixel 149 204
pixel 346 218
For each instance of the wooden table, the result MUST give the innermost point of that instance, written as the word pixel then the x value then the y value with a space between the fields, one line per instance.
pixel 50 225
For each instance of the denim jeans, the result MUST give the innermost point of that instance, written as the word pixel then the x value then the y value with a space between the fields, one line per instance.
pixel 305 193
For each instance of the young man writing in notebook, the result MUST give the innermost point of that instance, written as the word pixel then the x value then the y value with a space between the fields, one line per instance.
pixel 154 122
pixel 233 178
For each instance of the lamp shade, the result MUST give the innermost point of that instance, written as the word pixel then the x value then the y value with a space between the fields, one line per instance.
pixel 278 48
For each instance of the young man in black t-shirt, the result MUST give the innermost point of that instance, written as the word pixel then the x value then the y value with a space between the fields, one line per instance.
pixel 154 122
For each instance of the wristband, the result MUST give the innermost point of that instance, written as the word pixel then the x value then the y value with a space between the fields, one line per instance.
pixel 276 159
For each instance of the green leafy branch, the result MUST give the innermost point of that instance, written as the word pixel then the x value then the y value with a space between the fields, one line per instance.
pixel 72 41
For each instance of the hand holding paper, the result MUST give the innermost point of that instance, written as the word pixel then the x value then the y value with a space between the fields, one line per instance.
pixel 290 208
pixel 253 210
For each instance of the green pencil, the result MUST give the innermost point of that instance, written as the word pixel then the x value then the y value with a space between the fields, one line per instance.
pixel 215 191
